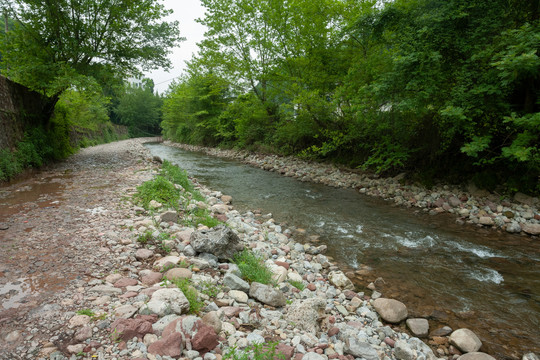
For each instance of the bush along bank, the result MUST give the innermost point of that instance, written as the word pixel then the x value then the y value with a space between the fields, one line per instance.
pixel 517 214
pixel 198 292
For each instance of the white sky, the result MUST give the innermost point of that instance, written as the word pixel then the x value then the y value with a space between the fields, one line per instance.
pixel 185 12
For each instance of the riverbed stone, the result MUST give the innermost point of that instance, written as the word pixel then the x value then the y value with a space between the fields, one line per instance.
pixel 531 229
pixel 391 310
pixel 178 273
pixel 267 294
pixel 165 302
pixel 169 216
pixel 338 279
pixel 219 241
pixel 403 351
pixel 171 345
pixel 419 327
pixel 306 314
pixel 465 340
pixel 360 349
pixel 486 220
pixel 143 254
pixel 235 282
pixel 239 296
pixel 513 228
pixel 476 356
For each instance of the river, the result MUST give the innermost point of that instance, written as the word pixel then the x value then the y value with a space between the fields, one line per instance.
pixel 453 275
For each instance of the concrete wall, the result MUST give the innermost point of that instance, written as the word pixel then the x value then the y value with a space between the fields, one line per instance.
pixel 20 108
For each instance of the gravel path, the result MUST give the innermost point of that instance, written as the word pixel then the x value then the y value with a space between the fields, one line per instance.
pixel 57 225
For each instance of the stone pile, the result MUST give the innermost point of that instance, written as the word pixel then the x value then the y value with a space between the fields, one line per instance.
pixel 139 315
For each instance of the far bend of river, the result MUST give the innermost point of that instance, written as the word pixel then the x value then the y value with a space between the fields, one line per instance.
pixel 455 275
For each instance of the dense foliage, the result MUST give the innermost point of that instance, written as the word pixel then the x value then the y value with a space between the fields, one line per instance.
pixel 80 119
pixel 438 88
pixel 79 53
pixel 140 110
pixel 55 43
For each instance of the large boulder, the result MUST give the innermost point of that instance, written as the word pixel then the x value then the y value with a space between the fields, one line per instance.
pixel 267 295
pixel 306 314
pixel 390 310
pixel 220 241
pixel 465 340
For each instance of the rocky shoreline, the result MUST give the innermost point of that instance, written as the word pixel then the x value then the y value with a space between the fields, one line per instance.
pixel 121 308
pixel 519 215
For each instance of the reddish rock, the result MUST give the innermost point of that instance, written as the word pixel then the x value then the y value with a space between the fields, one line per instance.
pixel 453 350
pixel 285 350
pixel 171 345
pixel 312 287
pixel 127 329
pixel 349 294
pixel 83 333
pixel 331 319
pixel 150 291
pixel 205 339
pixel 128 295
pixel 92 345
pixel 152 278
pixel 122 346
pixel 286 265
pixel 123 282
pixel 333 331
pixel 150 318
pixel 319 351
pixel 298 356
pixel 231 311
pixel 389 342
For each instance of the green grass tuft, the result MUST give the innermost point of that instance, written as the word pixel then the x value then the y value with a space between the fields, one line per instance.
pixel 253 268
pixel 297 284
pixel 159 189
pixel 195 305
pixel 255 352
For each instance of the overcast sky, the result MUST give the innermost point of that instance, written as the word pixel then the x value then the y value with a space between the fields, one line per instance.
pixel 185 12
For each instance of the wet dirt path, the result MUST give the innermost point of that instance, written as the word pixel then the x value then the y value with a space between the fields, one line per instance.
pixel 53 231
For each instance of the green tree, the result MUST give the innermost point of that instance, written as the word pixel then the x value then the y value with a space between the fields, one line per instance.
pixel 140 109
pixel 54 43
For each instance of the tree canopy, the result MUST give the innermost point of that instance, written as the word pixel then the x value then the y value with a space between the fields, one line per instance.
pixel 435 87
pixel 57 43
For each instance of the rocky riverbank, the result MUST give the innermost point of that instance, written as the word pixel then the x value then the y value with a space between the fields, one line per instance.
pixel 519 215
pixel 115 304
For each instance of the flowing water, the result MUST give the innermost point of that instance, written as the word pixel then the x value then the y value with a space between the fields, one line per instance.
pixel 457 275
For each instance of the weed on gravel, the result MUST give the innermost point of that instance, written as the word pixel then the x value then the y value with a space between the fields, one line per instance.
pixel 253 268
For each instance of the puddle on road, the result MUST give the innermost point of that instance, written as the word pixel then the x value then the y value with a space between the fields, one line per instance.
pixel 28 194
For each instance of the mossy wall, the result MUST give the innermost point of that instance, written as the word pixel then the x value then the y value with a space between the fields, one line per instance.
pixel 20 110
